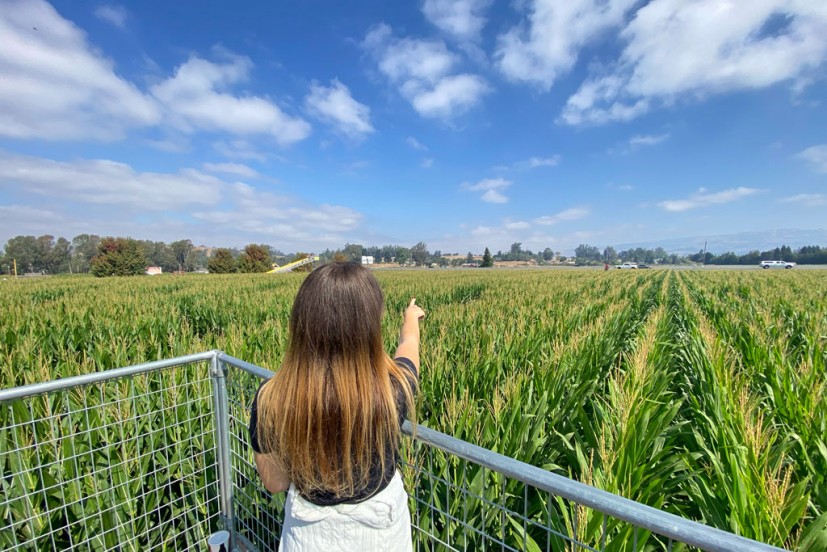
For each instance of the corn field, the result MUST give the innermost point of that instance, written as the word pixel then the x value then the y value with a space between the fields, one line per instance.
pixel 699 393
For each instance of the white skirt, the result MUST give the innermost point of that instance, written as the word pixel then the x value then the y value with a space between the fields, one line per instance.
pixel 382 522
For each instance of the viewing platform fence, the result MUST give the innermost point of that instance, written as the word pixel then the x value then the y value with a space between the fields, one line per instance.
pixel 156 456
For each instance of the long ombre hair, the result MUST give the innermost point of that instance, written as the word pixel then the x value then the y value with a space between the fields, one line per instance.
pixel 330 412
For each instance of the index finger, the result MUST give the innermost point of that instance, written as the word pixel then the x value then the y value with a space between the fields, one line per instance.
pixel 413 302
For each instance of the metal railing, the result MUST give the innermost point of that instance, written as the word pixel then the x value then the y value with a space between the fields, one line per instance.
pixel 156 457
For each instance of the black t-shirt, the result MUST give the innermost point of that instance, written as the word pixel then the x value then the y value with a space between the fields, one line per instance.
pixel 378 480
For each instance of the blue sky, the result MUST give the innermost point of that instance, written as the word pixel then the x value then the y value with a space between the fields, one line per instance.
pixel 461 123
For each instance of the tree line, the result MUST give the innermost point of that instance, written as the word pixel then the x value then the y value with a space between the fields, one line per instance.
pixel 87 253
pixel 809 254
pixel 44 254
pixel 110 256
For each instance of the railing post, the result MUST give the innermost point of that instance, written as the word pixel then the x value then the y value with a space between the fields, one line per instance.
pixel 222 429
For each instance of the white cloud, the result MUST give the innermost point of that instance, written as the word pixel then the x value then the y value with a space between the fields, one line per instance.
pixel 638 141
pixel 263 213
pixel 19 214
pixel 492 188
pixel 517 225
pixel 104 182
pixel 112 14
pixel 336 106
pixel 427 163
pixel 703 199
pixel 534 162
pixel 541 162
pixel 239 149
pixel 408 58
pixel 575 213
pixel 808 200
pixel 451 96
pixel 422 71
pixel 56 86
pixel 816 157
pixel 530 163
pixel 696 48
pixel 111 198
pixel 621 187
pixel 488 184
pixel 196 99
pixel 494 196
pixel 546 46
pixel 234 169
pixel 415 144
pixel 172 144
pixel 500 236
pixel 647 139
pixel 462 19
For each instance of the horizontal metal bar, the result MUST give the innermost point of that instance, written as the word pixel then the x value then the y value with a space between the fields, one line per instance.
pixel 660 522
pixel 96 377
pixel 652 519
pixel 245 366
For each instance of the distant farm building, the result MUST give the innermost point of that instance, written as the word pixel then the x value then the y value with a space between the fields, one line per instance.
pixel 154 270
pixel 367 259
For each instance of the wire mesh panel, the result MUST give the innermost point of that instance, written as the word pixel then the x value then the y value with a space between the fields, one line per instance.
pixel 258 514
pixel 157 457
pixel 120 464
pixel 466 498
pixel 459 505
pixel 455 504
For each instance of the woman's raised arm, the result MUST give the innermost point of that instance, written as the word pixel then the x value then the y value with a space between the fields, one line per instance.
pixel 409 333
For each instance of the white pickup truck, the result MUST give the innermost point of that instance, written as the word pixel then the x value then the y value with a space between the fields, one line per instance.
pixel 627 266
pixel 776 264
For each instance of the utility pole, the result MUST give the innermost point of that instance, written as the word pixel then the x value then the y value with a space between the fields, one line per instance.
pixel 14 261
pixel 704 259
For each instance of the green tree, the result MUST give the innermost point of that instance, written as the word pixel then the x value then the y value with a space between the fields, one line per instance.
pixel 119 257
pixel 419 253
pixel 221 262
pixel 160 254
pixel 45 244
pixel 25 250
pixel 353 252
pixel 469 258
pixel 58 259
pixel 585 253
pixel 403 255
pixel 487 261
pixel 180 249
pixel 196 259
pixel 609 254
pixel 256 258
pixel 388 253
pixel 548 254
pixel 516 252
pixel 84 248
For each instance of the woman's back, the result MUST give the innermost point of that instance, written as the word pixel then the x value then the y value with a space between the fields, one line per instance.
pixel 328 423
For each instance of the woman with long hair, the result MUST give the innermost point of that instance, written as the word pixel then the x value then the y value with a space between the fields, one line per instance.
pixel 326 427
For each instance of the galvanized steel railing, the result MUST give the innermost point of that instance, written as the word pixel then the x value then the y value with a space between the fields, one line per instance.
pixel 156 456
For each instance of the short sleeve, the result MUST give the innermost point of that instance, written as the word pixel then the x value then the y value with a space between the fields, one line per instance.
pixel 412 374
pixel 254 444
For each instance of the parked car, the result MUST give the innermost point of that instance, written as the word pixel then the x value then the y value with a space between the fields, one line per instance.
pixel 641 265
pixel 776 264
pixel 627 265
